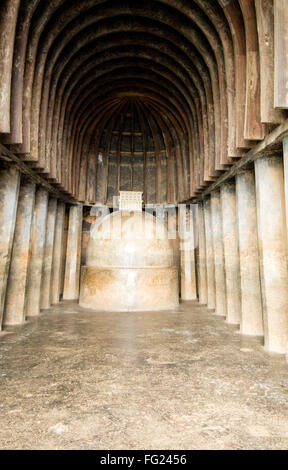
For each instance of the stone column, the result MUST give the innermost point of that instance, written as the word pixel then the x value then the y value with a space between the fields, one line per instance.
pixel 220 284
pixel 195 216
pixel 251 302
pixel 231 252
pixel 14 312
pixel 272 236
pixel 57 255
pixel 210 268
pixel 48 255
pixel 72 268
pixel 32 307
pixel 187 247
pixel 285 162
pixel 173 235
pixel 9 191
pixel 202 268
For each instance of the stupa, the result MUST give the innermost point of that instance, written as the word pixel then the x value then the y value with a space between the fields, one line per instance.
pixel 129 264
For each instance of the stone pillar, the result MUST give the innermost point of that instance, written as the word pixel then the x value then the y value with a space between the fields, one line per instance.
pixel 231 252
pixel 187 247
pixel 285 162
pixel 64 252
pixel 220 284
pixel 48 255
pixel 195 216
pixel 73 256
pixel 202 268
pixel 57 255
pixel 210 268
pixel 14 312
pixel 32 307
pixel 9 191
pixel 251 302
pixel 173 235
pixel 272 236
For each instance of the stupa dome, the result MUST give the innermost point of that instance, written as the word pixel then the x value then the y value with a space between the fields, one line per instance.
pixel 130 240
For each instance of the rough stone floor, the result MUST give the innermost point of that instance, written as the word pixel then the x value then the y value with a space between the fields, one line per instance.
pixel 75 379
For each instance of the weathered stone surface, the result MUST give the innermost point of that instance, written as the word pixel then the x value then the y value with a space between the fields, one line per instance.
pixel 212 76
pixel 285 163
pixel 187 250
pixel 231 253
pixel 64 251
pixel 14 313
pixel 9 190
pixel 75 375
pixel 8 20
pixel 173 236
pixel 132 289
pixel 45 298
pixel 251 302
pixel 211 301
pixel 188 278
pixel 129 240
pixel 202 266
pixel 73 254
pixel 272 234
pixel 57 261
pixel 33 290
pixel 220 284
pixel 130 265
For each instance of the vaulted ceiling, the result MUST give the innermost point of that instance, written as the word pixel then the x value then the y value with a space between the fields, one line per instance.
pixel 131 149
pixel 159 96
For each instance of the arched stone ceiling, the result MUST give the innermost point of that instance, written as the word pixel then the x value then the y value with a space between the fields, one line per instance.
pixel 188 71
pixel 130 150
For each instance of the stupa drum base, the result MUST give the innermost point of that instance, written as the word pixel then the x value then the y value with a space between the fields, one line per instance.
pixel 129 289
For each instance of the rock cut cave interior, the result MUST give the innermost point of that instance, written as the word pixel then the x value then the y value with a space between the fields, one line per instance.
pixel 143 224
